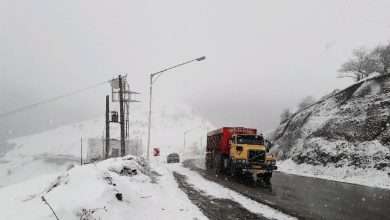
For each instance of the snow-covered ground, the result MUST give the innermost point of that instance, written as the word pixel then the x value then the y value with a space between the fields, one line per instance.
pixel 368 176
pixel 90 192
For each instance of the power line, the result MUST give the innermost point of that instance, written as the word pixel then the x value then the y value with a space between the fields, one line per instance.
pixel 49 100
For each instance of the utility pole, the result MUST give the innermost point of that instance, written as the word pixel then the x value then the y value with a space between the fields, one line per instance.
pixel 120 91
pixel 122 116
pixel 127 110
pixel 107 126
pixel 127 120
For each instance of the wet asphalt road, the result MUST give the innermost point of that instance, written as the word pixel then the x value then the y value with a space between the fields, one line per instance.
pixel 311 198
pixel 214 208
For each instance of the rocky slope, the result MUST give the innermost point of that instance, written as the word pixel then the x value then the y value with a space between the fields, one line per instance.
pixel 350 128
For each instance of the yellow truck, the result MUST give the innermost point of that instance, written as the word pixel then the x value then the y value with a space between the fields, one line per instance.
pixel 239 151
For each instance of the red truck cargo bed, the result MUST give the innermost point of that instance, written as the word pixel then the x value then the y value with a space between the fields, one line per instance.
pixel 219 138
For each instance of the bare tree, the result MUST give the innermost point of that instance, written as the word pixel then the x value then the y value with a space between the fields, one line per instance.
pixel 361 65
pixel 382 54
pixel 308 100
pixel 286 114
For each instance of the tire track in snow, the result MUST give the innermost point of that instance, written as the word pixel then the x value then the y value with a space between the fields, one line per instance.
pixel 214 208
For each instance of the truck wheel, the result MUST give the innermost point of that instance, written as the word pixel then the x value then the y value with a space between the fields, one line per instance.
pixel 267 179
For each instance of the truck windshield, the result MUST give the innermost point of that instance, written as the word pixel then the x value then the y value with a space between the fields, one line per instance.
pixel 249 139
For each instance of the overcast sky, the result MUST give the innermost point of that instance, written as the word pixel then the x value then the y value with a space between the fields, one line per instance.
pixel 262 56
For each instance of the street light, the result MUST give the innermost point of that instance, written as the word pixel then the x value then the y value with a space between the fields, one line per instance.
pixel 152 80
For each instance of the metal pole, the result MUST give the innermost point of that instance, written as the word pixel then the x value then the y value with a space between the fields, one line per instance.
pixel 122 116
pixel 81 150
pixel 107 126
pixel 127 119
pixel 150 117
pixel 127 151
pixel 128 91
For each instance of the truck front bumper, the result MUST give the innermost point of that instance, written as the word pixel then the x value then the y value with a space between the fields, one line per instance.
pixel 263 168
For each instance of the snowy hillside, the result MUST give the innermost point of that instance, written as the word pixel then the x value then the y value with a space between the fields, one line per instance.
pixel 345 136
pixel 55 150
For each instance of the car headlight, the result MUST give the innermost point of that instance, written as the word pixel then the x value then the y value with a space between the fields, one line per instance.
pixel 273 162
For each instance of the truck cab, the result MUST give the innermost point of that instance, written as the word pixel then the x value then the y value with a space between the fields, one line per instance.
pixel 248 153
pixel 239 151
pixel 247 147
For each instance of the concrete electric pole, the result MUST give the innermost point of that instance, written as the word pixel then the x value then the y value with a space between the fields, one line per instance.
pixel 122 117
pixel 107 150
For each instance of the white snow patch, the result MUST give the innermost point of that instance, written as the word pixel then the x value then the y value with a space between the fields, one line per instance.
pixel 319 117
pixel 368 177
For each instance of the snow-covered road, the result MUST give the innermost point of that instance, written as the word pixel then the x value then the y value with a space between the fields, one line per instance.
pixel 218 202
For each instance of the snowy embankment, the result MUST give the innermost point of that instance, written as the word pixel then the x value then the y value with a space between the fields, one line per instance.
pixel 368 177
pixel 344 136
pixel 217 191
pixel 119 188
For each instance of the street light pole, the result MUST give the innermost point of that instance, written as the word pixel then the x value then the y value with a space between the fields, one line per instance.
pixel 157 74
pixel 150 115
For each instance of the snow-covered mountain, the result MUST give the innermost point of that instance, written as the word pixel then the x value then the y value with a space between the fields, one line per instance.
pixel 344 136
pixel 55 150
